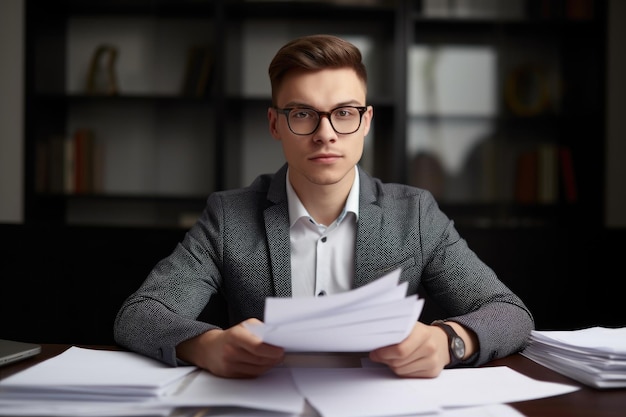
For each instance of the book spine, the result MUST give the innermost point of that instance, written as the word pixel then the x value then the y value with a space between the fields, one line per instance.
pixel 567 174
pixel 548 174
pixel 69 166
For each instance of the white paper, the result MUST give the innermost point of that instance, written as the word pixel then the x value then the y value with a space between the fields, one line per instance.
pixel 600 340
pixel 274 391
pixel 74 409
pixel 595 356
pixel 94 374
pixel 465 387
pixel 374 315
pixel 64 408
pixel 334 392
pixel 383 289
pixel 376 391
pixel 361 392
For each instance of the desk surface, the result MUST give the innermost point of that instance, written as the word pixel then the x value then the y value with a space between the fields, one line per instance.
pixel 584 403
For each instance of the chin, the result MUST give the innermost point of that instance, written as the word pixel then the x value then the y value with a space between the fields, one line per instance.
pixel 327 177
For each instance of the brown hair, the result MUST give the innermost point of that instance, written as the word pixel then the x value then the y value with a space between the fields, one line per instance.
pixel 313 53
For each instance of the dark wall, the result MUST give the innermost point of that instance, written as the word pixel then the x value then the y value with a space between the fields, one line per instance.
pixel 64 285
pixel 569 278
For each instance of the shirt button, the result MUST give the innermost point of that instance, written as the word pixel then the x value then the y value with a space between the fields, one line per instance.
pixel 324 239
pixel 321 293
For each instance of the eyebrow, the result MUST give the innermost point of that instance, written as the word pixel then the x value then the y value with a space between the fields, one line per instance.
pixel 293 104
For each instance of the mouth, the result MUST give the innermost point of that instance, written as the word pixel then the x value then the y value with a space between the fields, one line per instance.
pixel 325 158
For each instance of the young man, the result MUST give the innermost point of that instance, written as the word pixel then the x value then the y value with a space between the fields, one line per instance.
pixel 319 225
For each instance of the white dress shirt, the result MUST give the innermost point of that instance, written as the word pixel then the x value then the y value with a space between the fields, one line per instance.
pixel 322 257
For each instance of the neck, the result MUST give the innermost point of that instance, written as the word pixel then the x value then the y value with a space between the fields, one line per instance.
pixel 324 202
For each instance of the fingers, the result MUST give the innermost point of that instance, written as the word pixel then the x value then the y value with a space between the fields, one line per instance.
pixel 419 355
pixel 237 353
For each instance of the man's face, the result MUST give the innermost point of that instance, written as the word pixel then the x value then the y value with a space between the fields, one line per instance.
pixel 323 157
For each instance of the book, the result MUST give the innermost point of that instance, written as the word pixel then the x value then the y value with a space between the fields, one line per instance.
pixel 547 188
pixel 526 177
pixel 69 164
pixel 545 175
pixel 83 147
pixel 566 164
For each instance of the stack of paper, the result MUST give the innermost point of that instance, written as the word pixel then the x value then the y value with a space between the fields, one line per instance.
pixel 92 381
pixel 375 315
pixel 595 356
pixel 94 375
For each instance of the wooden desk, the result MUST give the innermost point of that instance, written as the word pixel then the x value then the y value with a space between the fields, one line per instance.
pixel 586 402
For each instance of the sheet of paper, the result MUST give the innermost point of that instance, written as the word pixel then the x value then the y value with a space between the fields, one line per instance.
pixel 491 410
pixel 464 387
pixel 374 315
pixel 270 393
pixel 61 408
pixel 595 356
pixel 274 391
pixel 334 392
pixel 374 390
pixel 74 409
pixel 94 374
pixel 600 340
pixel 361 392
pixel 279 310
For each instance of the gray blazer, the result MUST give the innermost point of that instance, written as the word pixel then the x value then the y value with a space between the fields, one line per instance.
pixel 239 249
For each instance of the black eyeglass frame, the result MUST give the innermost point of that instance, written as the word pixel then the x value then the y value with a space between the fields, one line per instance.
pixel 320 114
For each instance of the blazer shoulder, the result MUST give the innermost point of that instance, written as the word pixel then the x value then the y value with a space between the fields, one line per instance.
pixel 374 189
pixel 265 190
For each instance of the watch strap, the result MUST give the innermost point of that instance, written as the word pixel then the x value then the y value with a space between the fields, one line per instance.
pixel 452 335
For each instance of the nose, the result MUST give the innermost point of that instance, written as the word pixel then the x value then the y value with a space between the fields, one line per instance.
pixel 325 131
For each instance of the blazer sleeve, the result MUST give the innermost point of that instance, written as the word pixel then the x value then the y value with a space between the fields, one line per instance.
pixel 469 290
pixel 163 311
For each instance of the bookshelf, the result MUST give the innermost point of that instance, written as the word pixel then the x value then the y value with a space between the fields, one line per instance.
pixel 502 104
pixel 480 105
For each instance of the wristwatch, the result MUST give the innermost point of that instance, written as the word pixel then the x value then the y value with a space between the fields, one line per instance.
pixel 457 345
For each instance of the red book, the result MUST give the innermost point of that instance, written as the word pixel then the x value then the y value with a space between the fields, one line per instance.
pixel 526 178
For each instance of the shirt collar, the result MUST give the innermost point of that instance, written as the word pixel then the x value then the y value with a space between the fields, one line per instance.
pixel 297 209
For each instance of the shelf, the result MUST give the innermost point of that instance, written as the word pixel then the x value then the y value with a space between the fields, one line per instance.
pixel 164 149
pixel 338 11
pixel 160 8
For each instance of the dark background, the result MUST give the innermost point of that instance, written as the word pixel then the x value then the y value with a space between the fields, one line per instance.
pixel 65 284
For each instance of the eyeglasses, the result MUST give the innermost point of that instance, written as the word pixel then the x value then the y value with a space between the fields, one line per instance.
pixel 303 121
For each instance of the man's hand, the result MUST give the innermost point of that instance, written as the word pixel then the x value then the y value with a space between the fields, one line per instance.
pixel 231 353
pixel 423 353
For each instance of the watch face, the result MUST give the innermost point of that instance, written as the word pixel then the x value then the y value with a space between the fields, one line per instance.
pixel 458 347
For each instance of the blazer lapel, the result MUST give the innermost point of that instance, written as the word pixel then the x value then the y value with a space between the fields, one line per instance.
pixel 277 232
pixel 367 255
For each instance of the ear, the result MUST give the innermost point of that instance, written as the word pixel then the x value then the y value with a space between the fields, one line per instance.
pixel 367 120
pixel 272 117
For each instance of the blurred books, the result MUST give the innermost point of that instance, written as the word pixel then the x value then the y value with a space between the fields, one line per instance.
pixel 595 356
pixel 69 164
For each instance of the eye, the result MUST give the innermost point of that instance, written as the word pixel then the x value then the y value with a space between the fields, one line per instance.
pixel 303 114
pixel 344 112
